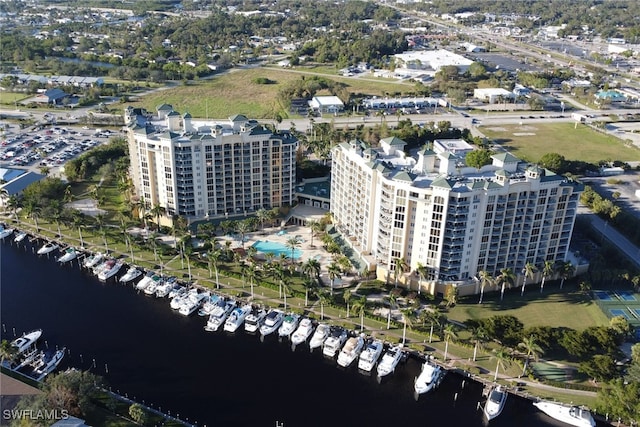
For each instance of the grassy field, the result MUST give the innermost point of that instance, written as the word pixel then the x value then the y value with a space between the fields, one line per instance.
pixel 532 140
pixel 237 93
pixel 10 98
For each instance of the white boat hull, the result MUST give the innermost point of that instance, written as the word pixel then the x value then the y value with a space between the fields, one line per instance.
pixel 571 415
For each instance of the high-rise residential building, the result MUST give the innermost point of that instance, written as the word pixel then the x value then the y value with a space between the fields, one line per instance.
pixel 209 169
pixel 434 211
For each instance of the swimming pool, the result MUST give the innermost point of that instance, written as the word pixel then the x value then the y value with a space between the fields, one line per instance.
pixel 276 248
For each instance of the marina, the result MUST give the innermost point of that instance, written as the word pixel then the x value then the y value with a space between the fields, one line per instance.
pixel 147 327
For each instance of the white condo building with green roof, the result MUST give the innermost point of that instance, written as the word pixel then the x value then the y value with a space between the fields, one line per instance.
pixel 434 211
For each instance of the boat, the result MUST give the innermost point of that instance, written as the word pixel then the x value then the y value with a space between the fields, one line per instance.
pixel 166 286
pixel 210 305
pixel 272 322
pixel 69 255
pixel 496 399
pixel 305 328
pixel 289 325
pixel 48 363
pixel 192 303
pixel 237 317
pixel 131 274
pixel 177 301
pixel 254 320
pixel 430 377
pixel 146 280
pixel 108 273
pixel 219 315
pixel 92 260
pixel 20 237
pixel 390 360
pixel 177 290
pixel 47 248
pixel 105 264
pixel 319 336
pixel 350 351
pixel 335 340
pixel 370 355
pixel 6 232
pixel 23 343
pixel 572 415
pixel 156 280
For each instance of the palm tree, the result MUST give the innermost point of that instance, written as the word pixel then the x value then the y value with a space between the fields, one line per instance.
pixel 253 275
pixel 346 296
pixel 502 357
pixel 407 319
pixel 157 211
pixel 278 274
pixel 359 306
pixel 100 222
pixel 286 288
pixel 422 274
pixel 485 279
pixel 293 243
pixel 242 228
pixel 323 299
pixel 263 215
pixel 334 272
pixel 315 228
pixel 7 352
pixel 78 221
pixel 547 271
pixel 311 269
pixel 213 259
pixel 567 270
pixel 400 267
pixel 392 303
pixel 530 346
pixel 449 332
pixel 32 209
pixel 479 336
pixel 505 279
pixel 528 271
pixel 152 238
pixel 13 203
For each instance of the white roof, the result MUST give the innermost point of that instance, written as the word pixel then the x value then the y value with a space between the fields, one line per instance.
pixel 435 58
pixel 495 91
pixel 327 100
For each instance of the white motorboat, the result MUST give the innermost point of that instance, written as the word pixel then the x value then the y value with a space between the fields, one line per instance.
pixel 48 364
pixel 335 340
pixel 219 315
pixel 289 325
pixel 23 343
pixel 572 415
pixel 193 303
pixel 272 322
pixel 146 280
pixel 495 402
pixel 177 301
pixel 350 351
pixel 69 255
pixel 254 320
pixel 156 280
pixel 430 377
pixel 19 237
pixel 237 317
pixel 165 288
pixel 177 290
pixel 131 274
pixel 111 271
pixel 47 248
pixel 93 260
pixel 319 336
pixel 303 332
pixel 210 305
pixel 390 360
pixel 6 232
pixel 370 355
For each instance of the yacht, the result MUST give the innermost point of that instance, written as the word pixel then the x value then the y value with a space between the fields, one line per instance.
pixel 111 271
pixel 495 402
pixel 254 320
pixel 23 343
pixel 5 232
pixel 210 305
pixel 166 287
pixel 177 301
pixel 390 360
pixel 272 322
pixel 47 248
pixel 319 336
pixel 370 355
pixel 335 340
pixel 430 377
pixel 176 291
pixel 236 318
pixel 572 415
pixel 289 325
pixel 146 280
pixel 20 237
pixel 93 260
pixel 219 315
pixel 131 274
pixel 48 364
pixel 193 303
pixel 350 351
pixel 69 255
pixel 303 332
pixel 156 281
pixel 106 263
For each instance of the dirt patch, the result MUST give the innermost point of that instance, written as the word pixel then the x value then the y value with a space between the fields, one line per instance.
pixel 524 134
pixel 496 129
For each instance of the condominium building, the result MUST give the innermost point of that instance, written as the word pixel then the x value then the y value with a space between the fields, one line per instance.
pixel 433 211
pixel 202 170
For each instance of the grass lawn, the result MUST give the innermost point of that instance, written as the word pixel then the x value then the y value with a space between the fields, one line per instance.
pixel 532 140
pixel 567 307
pixel 10 98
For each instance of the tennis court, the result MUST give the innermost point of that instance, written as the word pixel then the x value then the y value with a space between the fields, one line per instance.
pixel 603 295
pixel 615 312
pixel 626 296
pixel 622 303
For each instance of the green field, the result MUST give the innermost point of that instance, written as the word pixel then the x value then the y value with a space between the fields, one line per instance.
pixel 531 141
pixel 10 98
pixel 236 92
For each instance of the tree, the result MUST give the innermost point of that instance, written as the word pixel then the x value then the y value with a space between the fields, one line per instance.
pixel 529 271
pixel 422 273
pixel 479 336
pixel 485 279
pixel 7 352
pixel 554 162
pixel 346 296
pixel 531 348
pixel 242 228
pixel 138 414
pixel 479 158
pixel 547 271
pixel 600 367
pixel 505 279
pixel 359 306
pixel 315 228
pixel 311 269
pixel 71 390
pixel 407 320
pixel 501 356
pixel 449 333
pixel 253 275
pixel 157 211
pixel 392 303
pixel 213 259
pixel 101 222
pixel 476 70
pixel 400 268
pixel 566 271
pixel 78 220
pixel 293 243
pixel 334 272
pixel 621 398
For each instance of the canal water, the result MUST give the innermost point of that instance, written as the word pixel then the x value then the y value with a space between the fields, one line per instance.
pixel 148 352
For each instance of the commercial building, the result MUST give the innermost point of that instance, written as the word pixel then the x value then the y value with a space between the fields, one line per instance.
pixel 206 170
pixel 445 219
pixel 431 61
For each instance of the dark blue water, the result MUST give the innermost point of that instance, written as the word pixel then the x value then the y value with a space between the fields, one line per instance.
pixel 146 350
